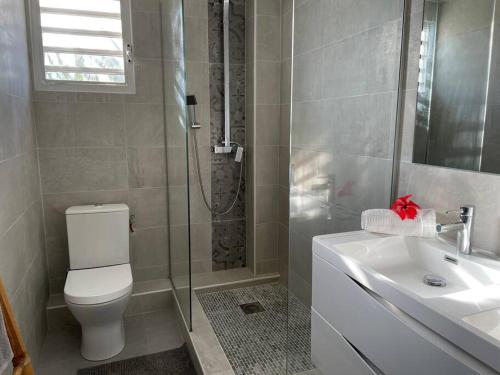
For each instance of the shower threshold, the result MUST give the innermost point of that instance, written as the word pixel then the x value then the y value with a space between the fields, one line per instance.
pixel 231 278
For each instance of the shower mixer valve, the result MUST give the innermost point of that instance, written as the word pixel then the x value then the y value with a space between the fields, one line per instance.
pixel 223 149
pixel 219 149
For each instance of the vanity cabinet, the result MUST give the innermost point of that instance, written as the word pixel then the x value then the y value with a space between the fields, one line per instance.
pixel 355 331
pixel 331 353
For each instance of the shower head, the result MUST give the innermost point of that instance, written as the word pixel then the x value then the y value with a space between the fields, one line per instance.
pixel 191 100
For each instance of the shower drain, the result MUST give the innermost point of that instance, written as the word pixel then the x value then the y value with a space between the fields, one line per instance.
pixel 252 308
pixel 433 280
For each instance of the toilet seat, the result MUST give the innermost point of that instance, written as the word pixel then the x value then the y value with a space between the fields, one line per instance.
pixel 98 285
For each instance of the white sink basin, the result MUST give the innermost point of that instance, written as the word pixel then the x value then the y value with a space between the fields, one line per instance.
pixel 486 321
pixel 406 260
pixel 466 311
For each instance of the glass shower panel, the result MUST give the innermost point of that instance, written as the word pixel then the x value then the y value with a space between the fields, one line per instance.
pixel 177 153
pixel 346 61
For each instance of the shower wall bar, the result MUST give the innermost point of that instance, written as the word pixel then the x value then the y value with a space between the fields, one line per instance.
pixel 226 148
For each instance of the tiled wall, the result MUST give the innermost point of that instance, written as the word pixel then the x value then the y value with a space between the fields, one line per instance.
pixel 22 250
pixel 345 80
pixel 198 83
pixel 250 131
pixel 174 66
pixel 444 188
pixel 228 234
pixel 264 112
pixel 103 148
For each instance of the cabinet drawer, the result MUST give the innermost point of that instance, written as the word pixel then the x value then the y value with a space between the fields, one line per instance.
pixel 393 341
pixel 331 353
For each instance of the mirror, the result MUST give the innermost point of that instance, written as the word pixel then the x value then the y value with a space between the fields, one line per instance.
pixel 458 97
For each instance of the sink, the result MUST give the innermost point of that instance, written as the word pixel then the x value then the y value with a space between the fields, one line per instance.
pixel 465 310
pixel 486 321
pixel 407 260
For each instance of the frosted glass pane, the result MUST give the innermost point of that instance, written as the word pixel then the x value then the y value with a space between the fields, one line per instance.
pixel 83 61
pixel 80 41
pixel 109 6
pixel 85 77
pixel 80 22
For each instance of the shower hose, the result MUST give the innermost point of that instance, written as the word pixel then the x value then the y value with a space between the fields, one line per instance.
pixel 200 180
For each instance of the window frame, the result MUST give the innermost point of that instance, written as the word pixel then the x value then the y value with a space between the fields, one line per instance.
pixel 38 58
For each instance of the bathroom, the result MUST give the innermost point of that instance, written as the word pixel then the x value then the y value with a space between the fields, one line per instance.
pixel 222 187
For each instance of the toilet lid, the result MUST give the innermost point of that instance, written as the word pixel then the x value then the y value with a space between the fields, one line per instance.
pixel 97 285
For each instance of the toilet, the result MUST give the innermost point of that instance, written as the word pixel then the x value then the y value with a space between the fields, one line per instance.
pixel 99 284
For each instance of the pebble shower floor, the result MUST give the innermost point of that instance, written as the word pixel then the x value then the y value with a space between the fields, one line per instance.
pixel 257 343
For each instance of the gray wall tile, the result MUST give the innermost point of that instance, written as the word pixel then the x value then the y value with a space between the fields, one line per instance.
pixel 267 124
pixel 148 82
pixel 344 19
pixel 149 206
pixel 11 198
pixel 366 63
pixel 267 159
pixel 97 124
pixel 79 124
pixel 147 34
pixel 267 241
pixel 83 169
pixel 268 82
pixel 307 28
pixel 146 167
pixel 148 247
pixel 196 8
pixel 196 38
pixel 22 243
pixel 268 7
pixel 266 202
pixel 10 142
pixel 307 77
pixel 146 6
pixel 145 125
pixel 269 37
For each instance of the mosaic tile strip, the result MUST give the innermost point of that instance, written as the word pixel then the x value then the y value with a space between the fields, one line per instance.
pixel 228 243
pixel 256 344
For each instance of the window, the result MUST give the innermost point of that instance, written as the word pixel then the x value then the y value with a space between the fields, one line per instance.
pixel 82 45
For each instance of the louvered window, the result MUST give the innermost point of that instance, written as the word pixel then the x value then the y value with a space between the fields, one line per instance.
pixel 82 45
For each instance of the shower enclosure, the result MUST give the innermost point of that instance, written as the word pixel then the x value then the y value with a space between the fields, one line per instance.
pixel 296 108
pixel 205 131
pixel 346 86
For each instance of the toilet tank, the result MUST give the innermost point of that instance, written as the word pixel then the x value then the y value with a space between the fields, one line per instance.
pixel 98 235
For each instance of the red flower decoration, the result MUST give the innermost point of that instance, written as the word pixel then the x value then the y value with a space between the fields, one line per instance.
pixel 405 208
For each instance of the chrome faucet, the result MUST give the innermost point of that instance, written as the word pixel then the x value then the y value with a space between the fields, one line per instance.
pixel 463 229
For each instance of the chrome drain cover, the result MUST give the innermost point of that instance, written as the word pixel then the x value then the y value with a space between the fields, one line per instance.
pixel 252 308
pixel 434 280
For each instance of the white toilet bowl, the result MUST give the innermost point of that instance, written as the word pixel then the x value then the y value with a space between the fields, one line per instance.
pixel 98 297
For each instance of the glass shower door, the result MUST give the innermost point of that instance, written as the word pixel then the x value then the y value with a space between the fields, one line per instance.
pixel 176 133
pixel 346 66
